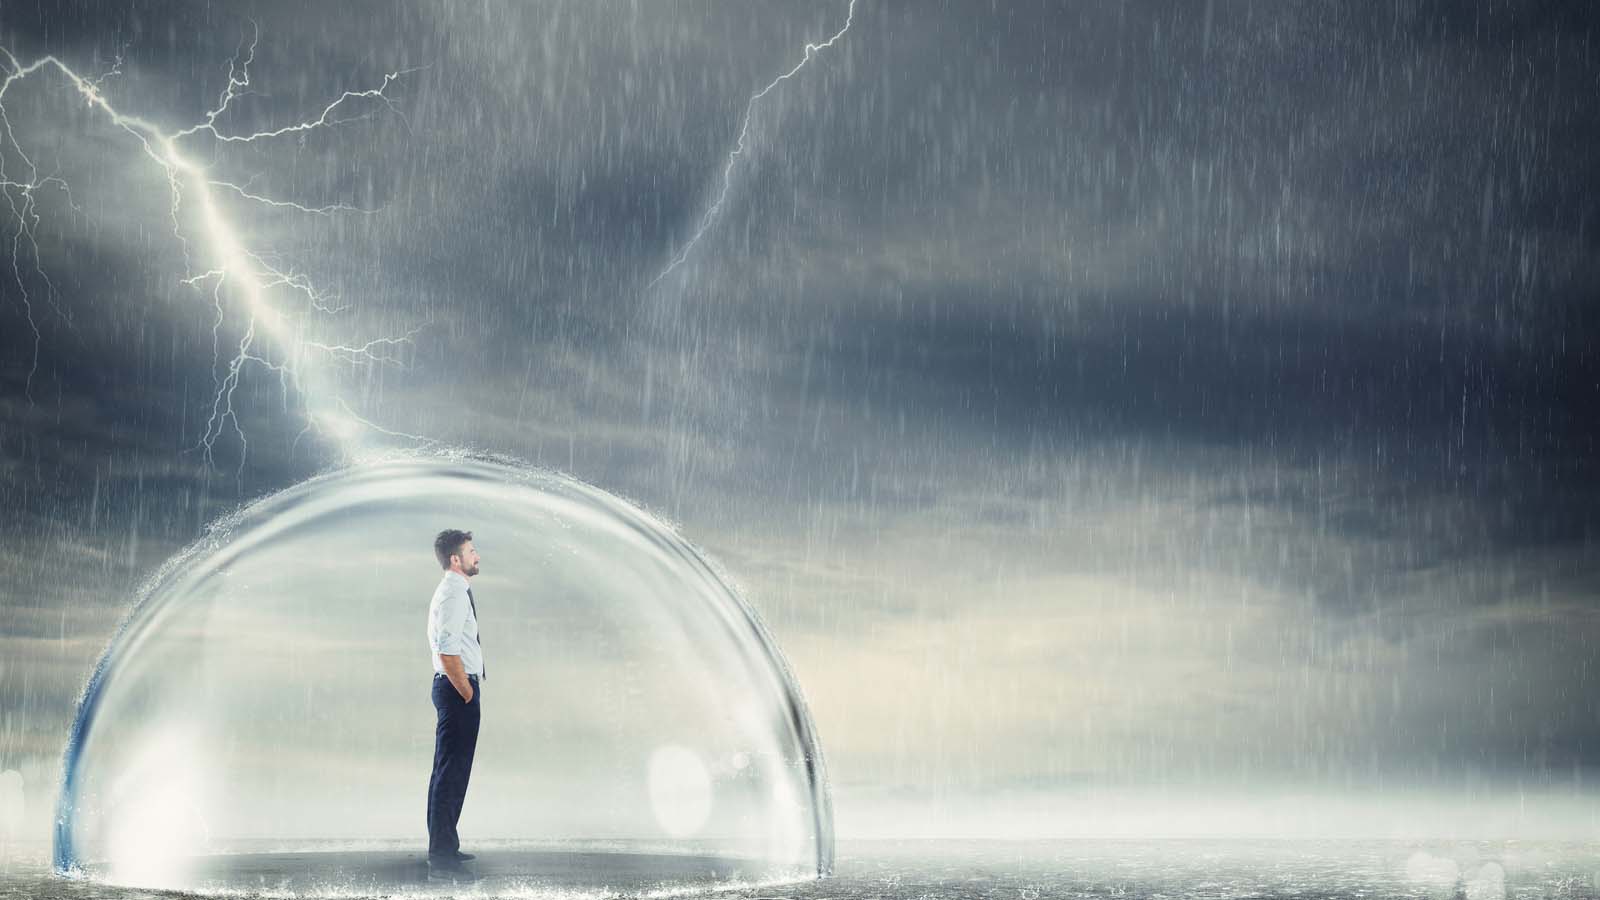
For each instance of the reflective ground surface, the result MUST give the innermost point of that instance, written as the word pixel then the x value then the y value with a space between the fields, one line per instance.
pixel 1015 870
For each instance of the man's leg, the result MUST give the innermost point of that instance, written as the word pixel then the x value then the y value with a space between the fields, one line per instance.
pixel 447 786
pixel 438 756
pixel 468 747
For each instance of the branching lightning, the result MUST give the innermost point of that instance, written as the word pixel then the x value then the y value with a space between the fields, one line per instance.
pixel 255 280
pixel 739 147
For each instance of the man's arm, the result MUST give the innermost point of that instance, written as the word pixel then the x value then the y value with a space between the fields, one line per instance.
pixel 457 673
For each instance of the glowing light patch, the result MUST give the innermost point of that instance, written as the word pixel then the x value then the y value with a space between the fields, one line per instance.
pixel 11 801
pixel 160 827
pixel 1488 883
pixel 680 790
pixel 1425 868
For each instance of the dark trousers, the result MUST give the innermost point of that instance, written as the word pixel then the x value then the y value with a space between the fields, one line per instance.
pixel 455 738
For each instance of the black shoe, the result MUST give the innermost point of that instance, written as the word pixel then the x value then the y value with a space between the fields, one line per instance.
pixel 451 857
pixel 448 869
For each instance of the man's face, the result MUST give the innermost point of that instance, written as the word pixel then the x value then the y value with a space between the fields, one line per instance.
pixel 469 559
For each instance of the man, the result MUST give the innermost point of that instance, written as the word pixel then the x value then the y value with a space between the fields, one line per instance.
pixel 457 679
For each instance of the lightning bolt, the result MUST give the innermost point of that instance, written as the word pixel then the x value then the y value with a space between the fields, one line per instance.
pixel 252 280
pixel 738 149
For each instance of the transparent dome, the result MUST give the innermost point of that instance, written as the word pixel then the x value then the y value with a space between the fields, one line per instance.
pixel 263 720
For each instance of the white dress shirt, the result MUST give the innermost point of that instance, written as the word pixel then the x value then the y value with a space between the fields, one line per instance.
pixel 452 626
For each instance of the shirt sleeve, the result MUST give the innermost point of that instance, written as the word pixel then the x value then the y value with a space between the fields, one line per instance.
pixel 449 622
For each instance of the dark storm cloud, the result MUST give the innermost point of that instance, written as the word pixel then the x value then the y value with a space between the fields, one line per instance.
pixel 1310 234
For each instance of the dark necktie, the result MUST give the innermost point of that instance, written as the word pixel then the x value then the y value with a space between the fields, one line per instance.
pixel 483 673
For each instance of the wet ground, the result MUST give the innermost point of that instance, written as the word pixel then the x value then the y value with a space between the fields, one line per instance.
pixel 917 870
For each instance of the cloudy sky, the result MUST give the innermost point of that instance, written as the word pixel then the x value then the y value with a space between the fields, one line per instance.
pixel 1095 399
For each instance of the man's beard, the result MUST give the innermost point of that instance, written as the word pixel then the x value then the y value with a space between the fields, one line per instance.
pixel 472 571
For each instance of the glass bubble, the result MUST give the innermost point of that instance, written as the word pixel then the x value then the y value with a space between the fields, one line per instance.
pixel 262 720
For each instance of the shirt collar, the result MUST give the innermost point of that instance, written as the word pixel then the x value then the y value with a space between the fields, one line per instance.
pixel 451 574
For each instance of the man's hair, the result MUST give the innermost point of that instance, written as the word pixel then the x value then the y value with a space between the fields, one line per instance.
pixel 448 544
